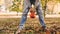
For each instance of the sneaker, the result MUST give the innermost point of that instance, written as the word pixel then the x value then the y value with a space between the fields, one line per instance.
pixel 18 31
pixel 43 28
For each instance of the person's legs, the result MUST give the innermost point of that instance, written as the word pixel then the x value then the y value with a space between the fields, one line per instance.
pixel 23 19
pixel 24 16
pixel 40 14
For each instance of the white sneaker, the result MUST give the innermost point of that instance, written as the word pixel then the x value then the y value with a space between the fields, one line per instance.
pixel 18 31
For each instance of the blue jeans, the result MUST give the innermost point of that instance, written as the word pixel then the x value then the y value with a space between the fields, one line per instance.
pixel 27 5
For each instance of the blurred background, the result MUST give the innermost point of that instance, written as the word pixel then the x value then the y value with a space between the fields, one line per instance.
pixel 50 7
pixel 11 12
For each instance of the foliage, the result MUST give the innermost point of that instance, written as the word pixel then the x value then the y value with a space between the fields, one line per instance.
pixel 17 3
pixel 15 6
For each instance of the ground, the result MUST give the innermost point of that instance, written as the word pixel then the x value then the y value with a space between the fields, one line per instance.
pixel 10 25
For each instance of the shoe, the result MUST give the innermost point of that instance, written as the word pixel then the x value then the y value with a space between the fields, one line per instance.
pixel 43 28
pixel 18 31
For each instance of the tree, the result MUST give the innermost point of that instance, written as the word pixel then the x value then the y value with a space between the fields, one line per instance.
pixel 15 6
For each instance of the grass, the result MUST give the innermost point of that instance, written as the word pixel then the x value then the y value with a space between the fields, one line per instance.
pixel 10 25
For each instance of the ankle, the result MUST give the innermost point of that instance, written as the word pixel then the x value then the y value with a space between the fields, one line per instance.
pixel 21 27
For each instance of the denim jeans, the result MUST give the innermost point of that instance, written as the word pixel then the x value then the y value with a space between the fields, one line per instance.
pixel 27 5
